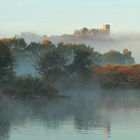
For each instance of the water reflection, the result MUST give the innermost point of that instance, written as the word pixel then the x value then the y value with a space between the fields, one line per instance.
pixel 90 113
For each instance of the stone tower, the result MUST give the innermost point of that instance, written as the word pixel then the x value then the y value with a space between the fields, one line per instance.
pixel 106 28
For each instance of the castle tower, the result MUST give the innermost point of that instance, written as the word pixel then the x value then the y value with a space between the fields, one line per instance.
pixel 106 28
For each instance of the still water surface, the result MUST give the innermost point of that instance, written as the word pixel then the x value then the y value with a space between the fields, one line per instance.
pixel 99 115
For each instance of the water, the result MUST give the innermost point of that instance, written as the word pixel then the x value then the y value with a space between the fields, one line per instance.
pixel 99 115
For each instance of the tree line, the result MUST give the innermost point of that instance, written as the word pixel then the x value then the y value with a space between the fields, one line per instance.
pixel 65 60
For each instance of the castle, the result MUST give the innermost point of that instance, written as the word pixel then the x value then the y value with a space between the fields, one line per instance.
pixel 105 30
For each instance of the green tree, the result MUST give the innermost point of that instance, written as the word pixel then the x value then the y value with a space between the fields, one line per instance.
pixel 115 57
pixel 6 62
pixel 84 57
pixel 18 43
pixel 51 65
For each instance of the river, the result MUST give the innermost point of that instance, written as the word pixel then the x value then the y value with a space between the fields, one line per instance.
pixel 99 115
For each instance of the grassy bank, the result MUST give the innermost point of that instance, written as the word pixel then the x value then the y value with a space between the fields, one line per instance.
pixel 28 87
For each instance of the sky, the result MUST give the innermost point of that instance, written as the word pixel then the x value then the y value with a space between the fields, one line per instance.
pixel 55 17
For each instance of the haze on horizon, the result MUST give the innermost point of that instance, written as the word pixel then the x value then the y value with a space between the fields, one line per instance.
pixel 53 17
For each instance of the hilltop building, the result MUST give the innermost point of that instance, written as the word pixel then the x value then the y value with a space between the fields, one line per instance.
pixel 104 30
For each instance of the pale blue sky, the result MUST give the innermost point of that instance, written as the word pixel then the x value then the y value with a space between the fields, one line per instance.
pixel 63 16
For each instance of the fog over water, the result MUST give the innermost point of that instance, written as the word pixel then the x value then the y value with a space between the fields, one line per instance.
pixel 55 80
pixel 87 114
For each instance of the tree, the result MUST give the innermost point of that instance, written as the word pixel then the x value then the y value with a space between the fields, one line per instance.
pixel 37 48
pixel 84 57
pixel 51 65
pixel 18 43
pixel 6 62
pixel 115 57
pixel 45 42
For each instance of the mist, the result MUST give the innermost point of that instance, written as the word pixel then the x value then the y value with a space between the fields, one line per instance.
pixel 102 44
pixel 87 108
pixel 87 111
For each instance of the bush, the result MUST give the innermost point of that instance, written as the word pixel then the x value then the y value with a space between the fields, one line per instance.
pixel 119 75
pixel 28 86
